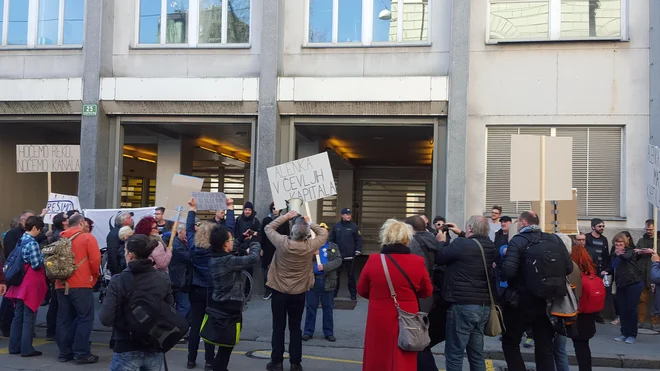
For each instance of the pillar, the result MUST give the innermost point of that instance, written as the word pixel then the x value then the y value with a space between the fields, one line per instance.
pixel 459 58
pixel 439 170
pixel 115 162
pixel 168 164
pixel 95 130
pixel 345 186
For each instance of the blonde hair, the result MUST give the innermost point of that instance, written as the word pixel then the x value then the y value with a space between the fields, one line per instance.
pixel 394 231
pixel 125 233
pixel 203 235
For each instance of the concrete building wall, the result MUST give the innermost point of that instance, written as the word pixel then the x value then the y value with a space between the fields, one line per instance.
pixel 580 83
pixel 313 61
pixel 130 60
pixel 31 64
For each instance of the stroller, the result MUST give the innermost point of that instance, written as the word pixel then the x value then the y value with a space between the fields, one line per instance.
pixel 105 277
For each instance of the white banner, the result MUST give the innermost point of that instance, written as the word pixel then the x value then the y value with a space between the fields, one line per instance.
pixel 308 178
pixel 104 220
pixel 38 158
pixel 58 203
pixel 653 175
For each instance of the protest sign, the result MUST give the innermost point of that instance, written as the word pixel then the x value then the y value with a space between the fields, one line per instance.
pixel 58 203
pixel 104 220
pixel 653 175
pixel 213 201
pixel 37 158
pixel 308 178
pixel 180 193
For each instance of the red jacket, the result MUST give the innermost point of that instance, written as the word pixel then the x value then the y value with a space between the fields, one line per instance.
pixel 83 246
pixel 381 352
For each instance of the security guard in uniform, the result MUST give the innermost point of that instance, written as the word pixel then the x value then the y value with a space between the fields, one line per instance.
pixel 346 235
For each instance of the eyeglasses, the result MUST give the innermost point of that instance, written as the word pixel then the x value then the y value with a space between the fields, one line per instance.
pixel 580 239
pixel 198 224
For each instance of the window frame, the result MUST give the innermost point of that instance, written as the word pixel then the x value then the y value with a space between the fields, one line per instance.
pixel 621 204
pixel 33 28
pixel 367 28
pixel 554 24
pixel 192 29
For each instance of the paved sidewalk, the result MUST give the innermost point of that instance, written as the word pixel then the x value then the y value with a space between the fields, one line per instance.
pixel 350 326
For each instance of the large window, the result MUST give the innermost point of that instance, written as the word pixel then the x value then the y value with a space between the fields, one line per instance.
pixel 35 23
pixel 552 20
pixel 367 22
pixel 596 168
pixel 192 23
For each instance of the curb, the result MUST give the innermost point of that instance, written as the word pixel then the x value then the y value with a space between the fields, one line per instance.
pixel 598 360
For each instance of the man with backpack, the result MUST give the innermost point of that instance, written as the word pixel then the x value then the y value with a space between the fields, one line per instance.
pixel 75 296
pixel 535 266
pixel 140 282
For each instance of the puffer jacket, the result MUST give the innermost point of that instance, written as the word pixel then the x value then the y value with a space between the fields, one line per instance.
pixel 180 262
pixel 161 256
pixel 626 271
pixel 465 277
pixel 429 246
pixel 644 260
pixel 228 281
pixel 199 257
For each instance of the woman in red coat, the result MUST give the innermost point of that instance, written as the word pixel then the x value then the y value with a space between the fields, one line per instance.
pixel 381 352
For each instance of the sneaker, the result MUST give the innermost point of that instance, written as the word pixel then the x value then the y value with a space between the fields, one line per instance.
pixel 616 322
pixel 87 359
pixel 190 365
pixel 620 338
pixel 272 366
pixel 631 340
pixel 65 359
pixel 297 367
pixel 656 328
pixel 36 353
pixel 331 338
pixel 268 295
pixel 599 319
pixel 353 297
pixel 306 337
pixel 529 343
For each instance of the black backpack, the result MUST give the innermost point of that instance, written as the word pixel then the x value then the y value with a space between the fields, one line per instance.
pixel 545 266
pixel 151 320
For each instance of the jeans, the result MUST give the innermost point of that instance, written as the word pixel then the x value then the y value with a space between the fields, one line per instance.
pixel 350 272
pixel 221 360
pixel 182 305
pixel 531 311
pixel 283 306
pixel 465 331
pixel 22 329
pixel 561 356
pixel 312 298
pixel 199 297
pixel 51 315
pixel 6 315
pixel 75 318
pixel 628 299
pixel 136 361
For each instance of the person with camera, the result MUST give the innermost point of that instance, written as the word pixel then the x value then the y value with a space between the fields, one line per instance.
pixel 290 276
pixel 246 231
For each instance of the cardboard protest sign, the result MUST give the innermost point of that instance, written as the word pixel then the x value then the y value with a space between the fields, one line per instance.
pixel 309 178
pixel 213 201
pixel 653 175
pixel 37 158
pixel 180 193
pixel 104 220
pixel 58 203
pixel 567 213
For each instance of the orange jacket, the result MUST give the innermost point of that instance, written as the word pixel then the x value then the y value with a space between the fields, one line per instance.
pixel 83 246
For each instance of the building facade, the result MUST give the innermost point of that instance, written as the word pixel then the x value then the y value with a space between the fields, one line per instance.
pixel 414 100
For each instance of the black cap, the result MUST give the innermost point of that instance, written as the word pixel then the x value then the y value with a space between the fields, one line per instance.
pixel 506 219
pixel 346 211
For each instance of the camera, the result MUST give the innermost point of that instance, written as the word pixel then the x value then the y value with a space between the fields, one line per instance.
pixel 444 228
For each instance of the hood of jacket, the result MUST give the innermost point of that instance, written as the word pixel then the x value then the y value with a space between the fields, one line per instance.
pixel 68 233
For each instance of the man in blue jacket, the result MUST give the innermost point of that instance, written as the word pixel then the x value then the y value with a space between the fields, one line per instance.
pixel 346 235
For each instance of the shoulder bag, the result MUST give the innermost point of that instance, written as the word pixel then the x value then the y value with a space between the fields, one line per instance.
pixel 495 325
pixel 413 327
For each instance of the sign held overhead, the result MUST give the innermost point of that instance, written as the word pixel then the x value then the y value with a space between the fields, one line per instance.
pixel 47 158
pixel 213 201
pixel 308 178
pixel 58 203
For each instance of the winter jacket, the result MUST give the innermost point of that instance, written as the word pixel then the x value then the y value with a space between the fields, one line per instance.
pixel 198 256
pixel 161 256
pixel 655 274
pixel 179 264
pixel 84 246
pixel 116 258
pixel 644 260
pixel 599 251
pixel 501 239
pixel 267 247
pixel 347 236
pixel 291 271
pixel 429 246
pixel 229 221
pixel 626 271
pixel 331 252
pixel 513 264
pixel 243 223
pixel 145 278
pixel 56 235
pixel 465 276
pixel 228 281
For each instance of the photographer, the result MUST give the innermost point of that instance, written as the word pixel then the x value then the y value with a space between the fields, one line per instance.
pixel 246 231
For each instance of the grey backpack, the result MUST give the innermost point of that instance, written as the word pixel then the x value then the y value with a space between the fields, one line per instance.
pixel 413 327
